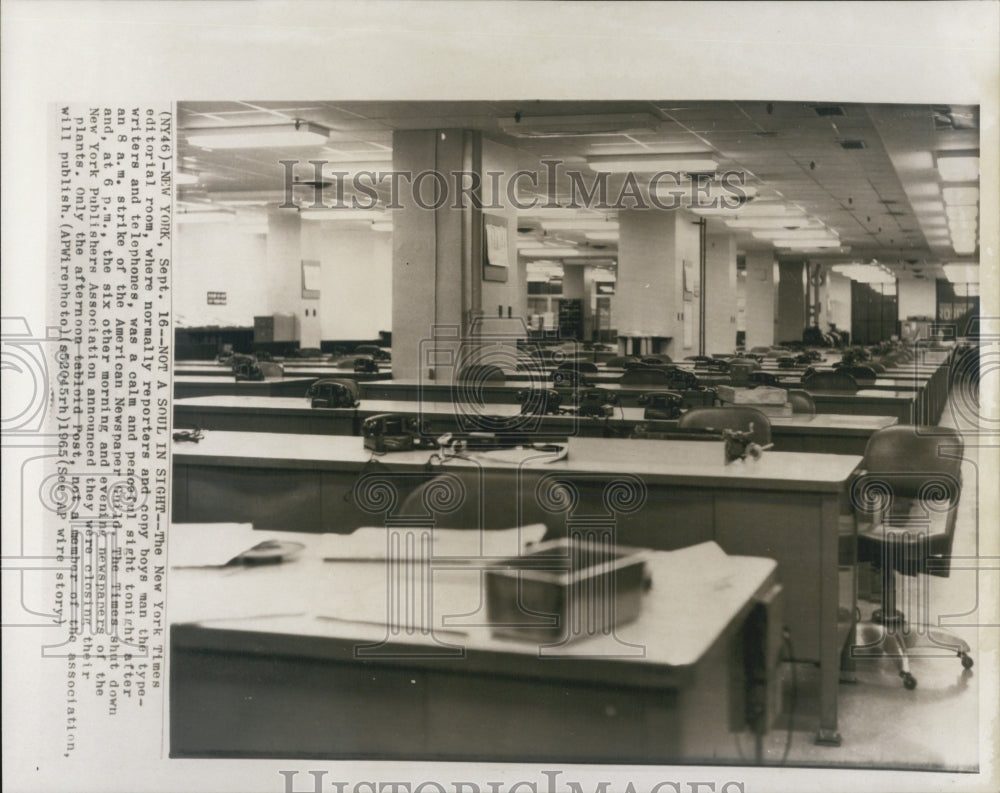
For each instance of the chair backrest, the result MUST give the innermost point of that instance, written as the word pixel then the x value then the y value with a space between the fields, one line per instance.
pixel 830 381
pixel 733 418
pixel 645 377
pixel 863 375
pixel 271 369
pixel 367 349
pixel 913 473
pixel 877 366
pixel 485 500
pixel 801 402
pixel 620 361
pixel 482 372
pixel 760 350
pixel 656 359
pixel 579 366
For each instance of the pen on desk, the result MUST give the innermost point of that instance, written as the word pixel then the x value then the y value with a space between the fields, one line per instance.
pixel 387 626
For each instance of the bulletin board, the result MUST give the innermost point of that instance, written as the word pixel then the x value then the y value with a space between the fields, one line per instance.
pixel 310 279
pixel 496 251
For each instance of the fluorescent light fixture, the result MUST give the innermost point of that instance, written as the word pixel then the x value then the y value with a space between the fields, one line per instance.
pixel 755 210
pixel 923 190
pixel 964 247
pixel 602 235
pixel 341 214
pixel 960 165
pixel 381 225
pixel 651 163
pixel 960 196
pixel 776 224
pixel 354 167
pixel 185 178
pixel 866 273
pixel 533 252
pixel 963 212
pixel 929 206
pixel 522 126
pixel 581 224
pixel 299 133
pixel 962 273
pixel 806 242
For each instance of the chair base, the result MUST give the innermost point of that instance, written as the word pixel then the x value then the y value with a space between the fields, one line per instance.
pixel 889 635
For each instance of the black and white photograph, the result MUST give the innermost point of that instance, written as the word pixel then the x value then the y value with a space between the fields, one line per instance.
pixel 501 396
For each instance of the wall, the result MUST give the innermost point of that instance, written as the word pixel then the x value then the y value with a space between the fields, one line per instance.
pixel 761 299
pixel 838 300
pixel 356 268
pixel 916 298
pixel 720 294
pixel 217 257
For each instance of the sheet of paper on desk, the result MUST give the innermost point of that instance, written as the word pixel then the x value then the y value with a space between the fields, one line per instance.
pixel 370 543
pixel 214 544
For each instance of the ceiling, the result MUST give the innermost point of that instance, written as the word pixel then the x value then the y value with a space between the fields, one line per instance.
pixel 865 172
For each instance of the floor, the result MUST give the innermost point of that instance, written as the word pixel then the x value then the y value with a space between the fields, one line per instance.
pixel 936 726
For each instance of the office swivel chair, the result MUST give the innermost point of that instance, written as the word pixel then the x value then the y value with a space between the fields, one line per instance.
pixel 655 360
pixel 801 402
pixel 830 381
pixel 620 361
pixel 645 377
pixel 863 375
pixel 482 372
pixel 876 366
pixel 730 418
pixel 906 505
pixel 579 366
pixel 488 502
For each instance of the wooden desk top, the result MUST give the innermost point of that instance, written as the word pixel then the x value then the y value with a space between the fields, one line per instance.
pixel 317 605
pixel 798 422
pixel 661 462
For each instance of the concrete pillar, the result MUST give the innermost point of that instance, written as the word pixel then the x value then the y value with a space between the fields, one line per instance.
pixel 652 249
pixel 791 302
pixel 720 294
pixel 761 299
pixel 284 275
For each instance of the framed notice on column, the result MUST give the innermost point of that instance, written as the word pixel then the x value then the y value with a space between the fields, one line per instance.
pixel 496 251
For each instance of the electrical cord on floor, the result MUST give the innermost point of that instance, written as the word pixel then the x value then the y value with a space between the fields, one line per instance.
pixel 787 641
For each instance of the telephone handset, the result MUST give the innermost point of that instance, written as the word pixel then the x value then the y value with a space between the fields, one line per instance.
pixel 683 380
pixel 389 432
pixel 568 378
pixel 365 365
pixel 598 402
pixel 333 394
pixel 536 402
pixel 661 406
pixel 248 370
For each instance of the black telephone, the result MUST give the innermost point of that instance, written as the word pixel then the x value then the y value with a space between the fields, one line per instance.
pixel 597 402
pixel 762 378
pixel 539 402
pixel 389 432
pixel 333 394
pixel 661 405
pixel 568 378
pixel 682 380
pixel 714 365
pixel 248 370
pixel 365 365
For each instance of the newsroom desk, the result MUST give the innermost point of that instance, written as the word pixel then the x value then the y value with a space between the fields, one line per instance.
pixel 314 370
pixel 194 386
pixel 786 505
pixel 824 432
pixel 671 687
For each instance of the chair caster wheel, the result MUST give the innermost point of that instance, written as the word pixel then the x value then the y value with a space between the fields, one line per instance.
pixel 909 681
pixel 966 660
